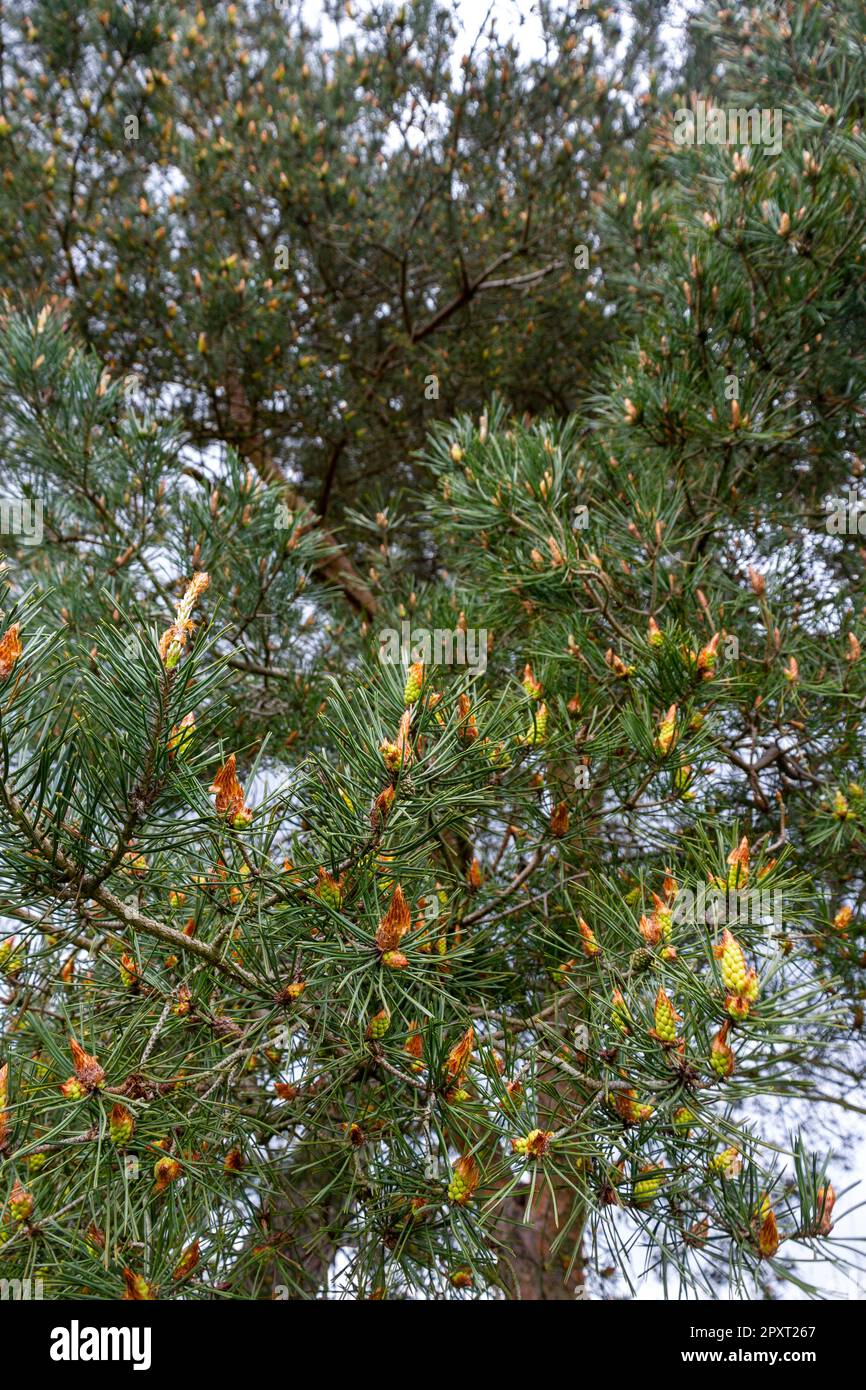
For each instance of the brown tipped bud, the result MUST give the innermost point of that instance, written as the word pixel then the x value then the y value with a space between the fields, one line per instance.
pixel 138 1290
pixel 721 1054
pixel 4 1113
pixel 464 1180
pixel 188 1261
pixel 382 808
pixel 414 1047
pixel 667 732
pixel 826 1203
pixel 120 1125
pixel 166 1171
pixel 20 1202
pixel 394 924
pixel 768 1236
pixel 10 649
pixel 457 1060
pixel 87 1070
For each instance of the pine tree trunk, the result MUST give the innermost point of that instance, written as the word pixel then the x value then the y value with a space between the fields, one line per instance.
pixel 538 1273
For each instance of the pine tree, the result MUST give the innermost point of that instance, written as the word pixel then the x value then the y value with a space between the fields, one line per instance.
pixel 308 249
pixel 462 950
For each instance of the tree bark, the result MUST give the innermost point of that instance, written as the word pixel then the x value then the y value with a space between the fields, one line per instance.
pixel 538 1273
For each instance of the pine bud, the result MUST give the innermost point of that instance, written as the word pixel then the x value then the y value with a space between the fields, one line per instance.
pixel 230 795
pixel 457 1060
pixel 663 916
pixel 138 1290
pixel 768 1236
pixel 683 1119
pixel 181 736
pixel 394 924
pixel 379 1025
pixel 467 729
pixel 174 639
pixel 588 944
pixel 461 1279
pixel 166 1170
pixel 665 1019
pixel 559 820
pixel 183 1003
pixel 617 665
pixel 530 684
pixel 706 662
pixel 94 1239
pixel 4 1113
pixel 514 1095
pixel 120 1125
pixel 667 732
pixel 328 890
pixel 537 731
pixel 87 1070
pixel 10 649
pixel 629 1109
pixel 646 1188
pixel 188 1261
pixel 843 918
pixel 414 1047
pixel 727 1163
pixel 11 960
pixel 697 1233
pixel 729 953
pixel 738 865
pixel 534 1145
pixel 134 863
pixel 721 1054
pixel 20 1202
pixel 398 754
pixel 414 681
pixel 826 1203
pixel 620 1012
pixel 655 636
pixel 464 1180
pixel 381 808
pixel 650 929
pixel 128 971
pixel 841 809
